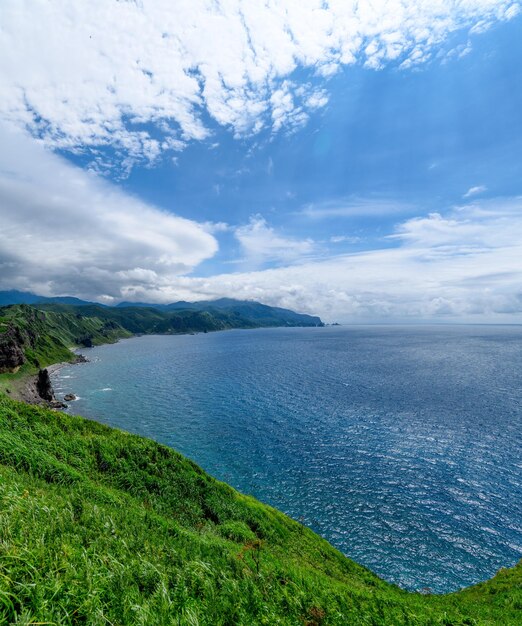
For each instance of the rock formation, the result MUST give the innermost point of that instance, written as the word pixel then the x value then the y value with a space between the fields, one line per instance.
pixel 11 350
pixel 44 386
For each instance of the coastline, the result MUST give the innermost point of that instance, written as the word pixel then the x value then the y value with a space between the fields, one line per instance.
pixel 25 389
pixel 126 387
pixel 35 342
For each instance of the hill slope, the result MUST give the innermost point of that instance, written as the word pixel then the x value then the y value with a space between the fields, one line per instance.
pixel 182 316
pixel 101 527
pixel 38 335
pixel 262 314
pixel 231 313
pixel 31 338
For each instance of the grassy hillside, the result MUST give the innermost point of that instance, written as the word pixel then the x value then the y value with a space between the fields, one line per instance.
pixel 226 312
pixel 31 339
pixel 101 527
pixel 230 309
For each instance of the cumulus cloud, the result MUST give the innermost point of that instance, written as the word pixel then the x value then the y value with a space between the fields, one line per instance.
pixel 261 243
pixel 66 231
pixel 141 77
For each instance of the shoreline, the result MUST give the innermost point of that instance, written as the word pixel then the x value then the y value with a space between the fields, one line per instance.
pixel 26 388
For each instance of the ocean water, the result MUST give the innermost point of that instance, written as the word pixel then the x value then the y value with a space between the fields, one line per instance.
pixel 400 445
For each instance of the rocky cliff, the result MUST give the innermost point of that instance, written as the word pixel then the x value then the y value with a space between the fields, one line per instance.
pixel 11 350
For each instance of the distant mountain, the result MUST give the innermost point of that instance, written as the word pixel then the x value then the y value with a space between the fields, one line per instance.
pixel 142 305
pixel 231 313
pixel 26 297
pixel 17 297
pixel 260 314
pixel 191 316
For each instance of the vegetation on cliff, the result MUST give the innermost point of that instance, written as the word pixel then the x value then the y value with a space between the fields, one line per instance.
pixel 191 316
pixel 31 338
pixel 101 527
pixel 35 336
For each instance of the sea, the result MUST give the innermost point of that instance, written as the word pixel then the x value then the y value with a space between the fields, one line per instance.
pixel 401 445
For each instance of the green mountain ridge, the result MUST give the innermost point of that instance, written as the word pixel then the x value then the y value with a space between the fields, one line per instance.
pixel 188 317
pixel 263 314
pixel 31 338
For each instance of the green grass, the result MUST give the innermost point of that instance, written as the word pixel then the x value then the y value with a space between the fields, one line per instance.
pixel 101 527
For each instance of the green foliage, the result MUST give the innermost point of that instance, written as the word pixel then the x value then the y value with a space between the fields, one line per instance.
pixel 101 527
pixel 190 319
pixel 47 336
pixel 236 530
pixel 44 338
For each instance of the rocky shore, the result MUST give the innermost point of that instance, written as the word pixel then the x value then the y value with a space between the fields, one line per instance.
pixel 38 389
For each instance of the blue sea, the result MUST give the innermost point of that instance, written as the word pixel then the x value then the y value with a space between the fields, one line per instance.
pixel 400 445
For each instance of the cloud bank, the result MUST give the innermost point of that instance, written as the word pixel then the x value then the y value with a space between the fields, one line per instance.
pixel 461 266
pixel 146 77
pixel 141 79
pixel 64 230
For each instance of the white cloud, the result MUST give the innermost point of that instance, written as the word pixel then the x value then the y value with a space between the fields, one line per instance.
pixel 469 231
pixel 344 239
pixel 67 231
pixel 355 207
pixel 463 266
pixel 261 244
pixel 475 191
pixel 87 74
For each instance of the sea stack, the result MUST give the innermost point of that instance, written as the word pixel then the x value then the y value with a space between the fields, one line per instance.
pixel 44 386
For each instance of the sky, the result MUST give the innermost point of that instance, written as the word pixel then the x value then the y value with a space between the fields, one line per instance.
pixel 358 160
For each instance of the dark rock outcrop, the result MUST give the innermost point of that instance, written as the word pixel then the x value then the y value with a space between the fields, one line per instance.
pixel 11 350
pixel 56 404
pixel 70 397
pixel 44 386
pixel 85 341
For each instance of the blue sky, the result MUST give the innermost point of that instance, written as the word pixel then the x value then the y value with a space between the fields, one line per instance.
pixel 411 142
pixel 365 168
